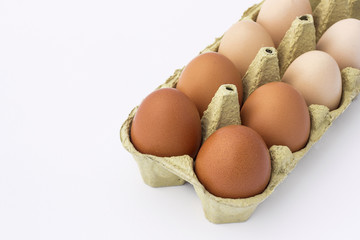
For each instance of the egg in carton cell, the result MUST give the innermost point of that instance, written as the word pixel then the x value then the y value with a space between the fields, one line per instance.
pixel 269 65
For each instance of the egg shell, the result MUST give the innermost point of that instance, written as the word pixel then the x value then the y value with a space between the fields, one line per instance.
pixel 242 41
pixel 152 130
pixel 276 16
pixel 317 76
pixel 234 162
pixel 279 113
pixel 211 70
pixel 342 42
pixel 172 171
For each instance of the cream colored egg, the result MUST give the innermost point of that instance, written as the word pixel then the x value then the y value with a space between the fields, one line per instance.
pixel 276 16
pixel 242 42
pixel 342 42
pixel 317 77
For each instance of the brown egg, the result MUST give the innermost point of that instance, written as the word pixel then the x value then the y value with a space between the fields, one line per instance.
pixel 166 124
pixel 342 42
pixel 316 75
pixel 234 162
pixel 279 113
pixel 242 42
pixel 202 77
pixel 276 16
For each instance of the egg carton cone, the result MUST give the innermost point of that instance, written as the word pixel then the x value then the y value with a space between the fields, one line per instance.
pixel 268 66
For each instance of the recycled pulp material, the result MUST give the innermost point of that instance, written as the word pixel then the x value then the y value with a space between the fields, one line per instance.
pixel 269 65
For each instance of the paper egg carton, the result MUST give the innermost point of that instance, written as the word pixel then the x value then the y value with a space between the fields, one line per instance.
pixel 269 65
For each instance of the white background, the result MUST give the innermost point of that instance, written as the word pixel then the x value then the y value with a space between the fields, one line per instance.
pixel 70 73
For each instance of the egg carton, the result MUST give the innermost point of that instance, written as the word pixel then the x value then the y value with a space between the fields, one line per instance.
pixel 269 65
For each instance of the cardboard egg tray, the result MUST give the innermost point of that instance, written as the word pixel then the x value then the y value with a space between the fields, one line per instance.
pixel 268 66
